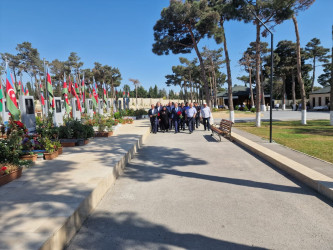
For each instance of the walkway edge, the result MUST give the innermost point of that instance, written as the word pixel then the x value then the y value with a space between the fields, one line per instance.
pixel 319 182
pixel 66 232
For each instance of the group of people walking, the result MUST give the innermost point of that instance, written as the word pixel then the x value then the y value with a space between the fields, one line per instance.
pixel 178 117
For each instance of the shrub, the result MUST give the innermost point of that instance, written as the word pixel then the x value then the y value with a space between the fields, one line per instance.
pixel 117 115
pixel 245 108
pixel 253 110
pixel 237 107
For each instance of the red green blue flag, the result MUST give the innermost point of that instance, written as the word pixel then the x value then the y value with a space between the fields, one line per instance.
pixel 11 96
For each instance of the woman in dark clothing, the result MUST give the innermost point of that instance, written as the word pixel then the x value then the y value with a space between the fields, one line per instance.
pixel 164 119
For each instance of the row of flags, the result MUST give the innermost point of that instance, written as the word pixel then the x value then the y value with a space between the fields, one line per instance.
pixel 77 91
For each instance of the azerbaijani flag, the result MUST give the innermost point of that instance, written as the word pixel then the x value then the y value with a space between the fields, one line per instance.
pixel 104 95
pixel 95 94
pixel 50 90
pixel 78 103
pixel 1 97
pixel 26 91
pixel 83 90
pixel 65 93
pixel 42 99
pixel 11 97
pixel 20 87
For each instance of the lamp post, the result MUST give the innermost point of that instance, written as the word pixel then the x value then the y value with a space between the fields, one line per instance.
pixel 271 76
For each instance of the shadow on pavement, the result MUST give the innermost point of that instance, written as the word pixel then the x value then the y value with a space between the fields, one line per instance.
pixel 126 230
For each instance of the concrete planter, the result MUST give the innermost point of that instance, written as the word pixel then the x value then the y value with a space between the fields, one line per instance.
pixel 68 142
pixel 10 177
pixel 59 150
pixel 104 134
pixel 29 157
pixel 50 156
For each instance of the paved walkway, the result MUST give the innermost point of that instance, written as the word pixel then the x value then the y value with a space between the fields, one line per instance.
pixel 189 192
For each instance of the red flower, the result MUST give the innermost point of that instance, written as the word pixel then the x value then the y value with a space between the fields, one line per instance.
pixel 20 124
pixel 179 113
pixel 4 168
pixel 158 114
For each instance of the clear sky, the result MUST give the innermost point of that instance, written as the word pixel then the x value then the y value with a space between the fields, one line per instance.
pixel 120 33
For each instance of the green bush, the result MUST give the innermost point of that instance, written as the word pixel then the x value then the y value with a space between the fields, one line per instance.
pixel 214 109
pixel 245 108
pixel 89 131
pixel 130 112
pixel 117 115
pixel 237 107
pixel 253 110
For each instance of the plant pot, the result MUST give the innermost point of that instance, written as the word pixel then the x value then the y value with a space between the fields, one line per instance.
pixel 50 156
pixel 29 157
pixel 4 179
pixel 86 142
pixel 123 122
pixel 80 142
pixel 104 134
pixel 68 142
pixel 59 150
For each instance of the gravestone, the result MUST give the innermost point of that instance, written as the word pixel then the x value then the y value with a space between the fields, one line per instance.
pixel 89 108
pixel 5 111
pixel 75 109
pixel 119 105
pixel 108 106
pixel 58 118
pixel 63 110
pixel 45 108
pixel 115 106
pixel 100 106
pixel 27 108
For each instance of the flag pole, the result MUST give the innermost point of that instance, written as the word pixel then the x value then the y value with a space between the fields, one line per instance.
pixel 47 94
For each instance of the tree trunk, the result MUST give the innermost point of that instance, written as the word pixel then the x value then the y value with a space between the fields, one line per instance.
pixel 283 92
pixel 331 97
pixel 293 89
pixel 262 81
pixel 299 72
pixel 313 72
pixel 229 79
pixel 251 90
pixel 202 68
pixel 258 88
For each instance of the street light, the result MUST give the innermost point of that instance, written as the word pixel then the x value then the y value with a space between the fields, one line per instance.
pixel 271 76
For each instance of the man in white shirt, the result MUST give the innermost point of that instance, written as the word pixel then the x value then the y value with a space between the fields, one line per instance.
pixel 190 116
pixel 205 115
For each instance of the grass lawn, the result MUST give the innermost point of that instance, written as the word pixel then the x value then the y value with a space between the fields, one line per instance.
pixel 315 138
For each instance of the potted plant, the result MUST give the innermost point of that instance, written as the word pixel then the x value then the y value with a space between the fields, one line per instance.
pixel 66 136
pixel 58 147
pixel 50 148
pixel 9 173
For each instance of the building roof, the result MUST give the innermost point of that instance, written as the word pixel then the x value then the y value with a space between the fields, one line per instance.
pixel 324 90
pixel 236 91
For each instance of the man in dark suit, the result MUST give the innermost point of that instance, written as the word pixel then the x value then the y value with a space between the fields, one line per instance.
pixel 175 117
pixel 197 116
pixel 153 118
pixel 158 108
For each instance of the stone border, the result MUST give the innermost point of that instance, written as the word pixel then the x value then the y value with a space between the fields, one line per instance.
pixel 60 238
pixel 319 182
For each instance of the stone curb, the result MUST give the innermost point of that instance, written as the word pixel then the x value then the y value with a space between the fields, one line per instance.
pixel 72 224
pixel 319 182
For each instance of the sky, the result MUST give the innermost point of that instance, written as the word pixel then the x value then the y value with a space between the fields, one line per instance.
pixel 120 34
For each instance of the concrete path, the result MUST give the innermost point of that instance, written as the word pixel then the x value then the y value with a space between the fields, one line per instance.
pixel 189 192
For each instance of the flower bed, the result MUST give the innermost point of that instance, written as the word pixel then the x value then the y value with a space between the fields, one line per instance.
pixel 9 173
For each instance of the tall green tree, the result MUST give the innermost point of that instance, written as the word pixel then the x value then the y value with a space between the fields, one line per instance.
pixel 213 62
pixel 316 52
pixel 271 13
pixel 297 6
pixel 136 83
pixel 249 63
pixel 180 29
pixel 73 63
